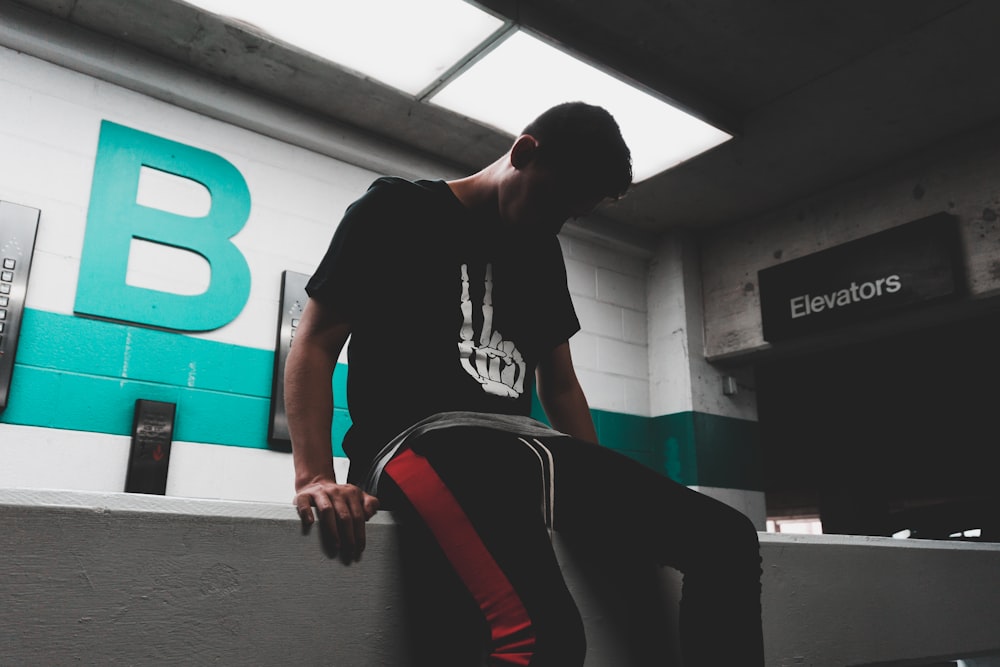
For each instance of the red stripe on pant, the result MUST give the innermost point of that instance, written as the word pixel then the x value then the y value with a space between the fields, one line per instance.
pixel 510 627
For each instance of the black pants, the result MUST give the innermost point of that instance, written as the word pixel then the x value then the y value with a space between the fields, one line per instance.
pixel 472 505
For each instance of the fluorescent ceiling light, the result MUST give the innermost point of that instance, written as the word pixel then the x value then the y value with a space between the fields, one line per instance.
pixel 405 44
pixel 415 46
pixel 524 75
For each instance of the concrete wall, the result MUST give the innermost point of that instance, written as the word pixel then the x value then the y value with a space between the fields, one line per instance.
pixel 50 120
pixel 683 381
pixel 146 580
pixel 961 177
pixel 610 352
pixel 76 379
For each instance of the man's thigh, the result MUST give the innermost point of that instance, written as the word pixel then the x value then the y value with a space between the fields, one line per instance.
pixel 498 482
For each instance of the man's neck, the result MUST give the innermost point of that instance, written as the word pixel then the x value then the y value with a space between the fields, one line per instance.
pixel 478 192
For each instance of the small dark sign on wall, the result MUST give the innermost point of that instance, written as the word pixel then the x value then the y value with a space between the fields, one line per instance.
pixel 149 456
pixel 894 270
pixel 293 301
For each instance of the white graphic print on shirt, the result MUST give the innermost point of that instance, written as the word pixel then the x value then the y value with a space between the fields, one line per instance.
pixel 495 363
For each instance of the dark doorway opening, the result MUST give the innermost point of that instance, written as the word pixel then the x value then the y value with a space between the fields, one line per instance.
pixel 894 434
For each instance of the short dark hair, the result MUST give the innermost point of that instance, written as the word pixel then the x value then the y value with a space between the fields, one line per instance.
pixel 584 141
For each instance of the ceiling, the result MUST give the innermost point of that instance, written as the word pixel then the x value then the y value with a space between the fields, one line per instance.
pixel 816 92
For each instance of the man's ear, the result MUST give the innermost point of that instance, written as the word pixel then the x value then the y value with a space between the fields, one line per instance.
pixel 523 151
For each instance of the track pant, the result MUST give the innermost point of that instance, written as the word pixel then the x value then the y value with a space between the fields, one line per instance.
pixel 478 559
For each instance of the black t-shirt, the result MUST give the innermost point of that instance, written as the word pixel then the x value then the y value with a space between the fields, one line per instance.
pixel 447 311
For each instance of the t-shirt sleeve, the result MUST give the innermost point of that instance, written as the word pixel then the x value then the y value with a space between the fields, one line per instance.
pixel 348 273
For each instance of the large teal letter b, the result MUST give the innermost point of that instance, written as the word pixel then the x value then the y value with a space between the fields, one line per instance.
pixel 115 218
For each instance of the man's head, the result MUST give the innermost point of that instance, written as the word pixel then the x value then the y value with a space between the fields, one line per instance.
pixel 583 142
pixel 565 163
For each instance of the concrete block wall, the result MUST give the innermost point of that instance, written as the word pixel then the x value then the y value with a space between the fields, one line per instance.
pixel 960 176
pixel 639 356
pixel 610 352
pixel 50 121
pixel 62 408
pixel 76 378
pixel 705 438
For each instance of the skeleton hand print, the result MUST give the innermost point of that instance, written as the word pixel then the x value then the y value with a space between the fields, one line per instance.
pixel 495 363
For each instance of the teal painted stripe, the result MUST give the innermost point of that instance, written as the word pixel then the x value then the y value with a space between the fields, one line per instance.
pixel 110 349
pixel 673 436
pixel 692 448
pixel 76 402
pixel 629 434
pixel 83 374
pixel 709 450
pixel 729 452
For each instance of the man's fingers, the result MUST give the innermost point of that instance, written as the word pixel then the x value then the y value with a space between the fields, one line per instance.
pixel 344 518
pixel 360 538
pixel 303 504
pixel 371 506
pixel 307 516
pixel 324 508
pixel 355 502
pixel 343 510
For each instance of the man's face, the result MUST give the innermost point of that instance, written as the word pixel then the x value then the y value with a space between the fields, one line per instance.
pixel 542 200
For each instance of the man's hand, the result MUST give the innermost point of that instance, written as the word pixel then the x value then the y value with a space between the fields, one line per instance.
pixel 343 510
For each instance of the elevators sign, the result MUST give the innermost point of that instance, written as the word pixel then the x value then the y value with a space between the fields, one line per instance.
pixel 888 272
pixel 293 301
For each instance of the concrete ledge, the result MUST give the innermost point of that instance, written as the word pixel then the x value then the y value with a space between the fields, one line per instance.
pixel 840 600
pixel 126 579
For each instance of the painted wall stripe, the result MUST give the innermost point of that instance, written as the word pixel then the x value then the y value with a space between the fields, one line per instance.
pixel 111 349
pixel 693 448
pixel 83 374
pixel 729 452
pixel 80 402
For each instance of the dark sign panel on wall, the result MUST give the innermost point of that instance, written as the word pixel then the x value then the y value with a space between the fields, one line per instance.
pixel 293 301
pixel 18 228
pixel 888 272
pixel 149 455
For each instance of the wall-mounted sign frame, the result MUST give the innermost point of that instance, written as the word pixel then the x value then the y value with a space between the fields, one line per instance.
pixel 149 455
pixel 18 229
pixel 892 271
pixel 293 302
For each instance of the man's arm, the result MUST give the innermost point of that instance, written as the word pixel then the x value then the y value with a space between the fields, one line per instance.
pixel 343 508
pixel 561 395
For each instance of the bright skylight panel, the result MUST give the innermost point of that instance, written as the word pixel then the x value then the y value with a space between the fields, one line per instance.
pixel 410 45
pixel 523 76
pixel 407 44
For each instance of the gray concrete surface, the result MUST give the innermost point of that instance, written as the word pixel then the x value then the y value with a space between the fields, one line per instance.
pixel 120 579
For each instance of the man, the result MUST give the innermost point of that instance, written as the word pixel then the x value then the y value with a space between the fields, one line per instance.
pixel 454 296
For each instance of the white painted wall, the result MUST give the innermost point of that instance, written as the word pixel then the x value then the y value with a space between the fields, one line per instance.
pixel 49 123
pixel 681 379
pixel 51 118
pixel 47 458
pixel 610 352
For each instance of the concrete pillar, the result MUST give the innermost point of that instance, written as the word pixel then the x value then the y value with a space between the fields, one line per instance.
pixel 707 433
